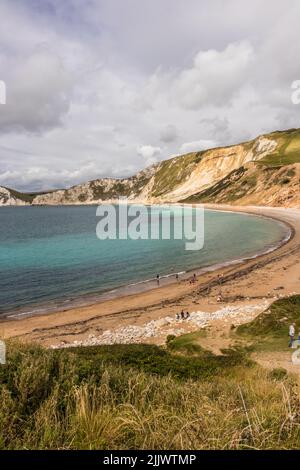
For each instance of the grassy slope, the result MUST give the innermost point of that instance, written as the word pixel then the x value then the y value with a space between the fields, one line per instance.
pixel 288 150
pixel 173 172
pixel 220 190
pixel 270 172
pixel 269 331
pixel 252 182
pixel 142 396
pixel 26 197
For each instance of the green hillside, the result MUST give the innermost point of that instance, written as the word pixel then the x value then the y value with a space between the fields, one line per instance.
pixel 288 150
pixel 168 175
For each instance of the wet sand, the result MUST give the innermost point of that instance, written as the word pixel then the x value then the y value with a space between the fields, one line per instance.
pixel 264 278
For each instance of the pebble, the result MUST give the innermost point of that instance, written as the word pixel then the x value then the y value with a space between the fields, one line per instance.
pixel 168 326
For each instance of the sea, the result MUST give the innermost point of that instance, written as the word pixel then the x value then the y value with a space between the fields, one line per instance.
pixel 51 258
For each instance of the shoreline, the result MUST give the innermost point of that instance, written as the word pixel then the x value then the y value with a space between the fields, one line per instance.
pixel 79 322
pixel 89 299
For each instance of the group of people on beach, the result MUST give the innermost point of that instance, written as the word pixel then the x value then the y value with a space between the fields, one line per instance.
pixel 182 315
pixel 193 280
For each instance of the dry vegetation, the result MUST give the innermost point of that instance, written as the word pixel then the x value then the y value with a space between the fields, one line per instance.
pixel 146 397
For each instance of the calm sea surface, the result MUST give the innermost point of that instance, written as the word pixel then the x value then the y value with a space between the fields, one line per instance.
pixel 51 255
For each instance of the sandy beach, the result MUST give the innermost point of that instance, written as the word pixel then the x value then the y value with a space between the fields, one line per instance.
pixel 247 288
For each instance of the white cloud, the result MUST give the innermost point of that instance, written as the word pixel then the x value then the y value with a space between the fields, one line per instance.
pixel 149 153
pixel 89 82
pixel 38 93
pixel 215 76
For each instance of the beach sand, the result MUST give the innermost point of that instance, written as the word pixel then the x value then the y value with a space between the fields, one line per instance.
pixel 247 288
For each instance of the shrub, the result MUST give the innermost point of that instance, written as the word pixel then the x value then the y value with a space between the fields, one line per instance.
pixel 278 374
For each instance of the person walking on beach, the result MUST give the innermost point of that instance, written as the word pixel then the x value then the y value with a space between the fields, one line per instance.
pixel 292 334
pixel 157 279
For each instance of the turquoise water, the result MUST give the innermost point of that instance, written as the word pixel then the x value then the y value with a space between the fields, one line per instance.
pixel 52 254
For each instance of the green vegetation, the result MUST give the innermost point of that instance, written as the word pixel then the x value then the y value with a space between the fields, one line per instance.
pixel 82 197
pixel 285 181
pixel 170 174
pixel 175 171
pixel 149 397
pixel 218 192
pixel 287 151
pixel 26 197
pixel 135 396
pixel 22 196
pixel 189 343
pixel 269 331
pixel 119 188
pixel 291 173
pixel 278 374
pixel 234 186
pixel 116 190
pixel 155 360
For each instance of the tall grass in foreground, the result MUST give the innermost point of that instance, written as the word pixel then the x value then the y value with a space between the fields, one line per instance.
pixel 47 401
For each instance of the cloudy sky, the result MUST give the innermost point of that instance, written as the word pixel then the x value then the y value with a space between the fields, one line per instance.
pixel 106 87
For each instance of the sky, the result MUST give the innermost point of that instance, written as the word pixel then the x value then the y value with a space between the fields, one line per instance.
pixel 104 88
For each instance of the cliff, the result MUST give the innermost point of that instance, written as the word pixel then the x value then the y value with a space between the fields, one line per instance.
pixel 9 197
pixel 264 171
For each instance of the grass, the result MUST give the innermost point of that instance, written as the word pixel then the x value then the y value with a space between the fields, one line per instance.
pixel 149 397
pixel 240 183
pixel 189 343
pixel 232 187
pixel 26 197
pixel 269 331
pixel 287 151
pixel 173 172
pixel 143 397
pixel 155 360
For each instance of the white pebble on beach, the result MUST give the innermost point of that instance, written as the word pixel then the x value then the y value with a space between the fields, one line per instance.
pixel 169 326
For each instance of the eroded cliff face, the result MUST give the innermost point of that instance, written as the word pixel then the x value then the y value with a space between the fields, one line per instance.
pixel 8 199
pixel 252 184
pixel 100 190
pixel 216 164
pixel 248 173
pixel 168 181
